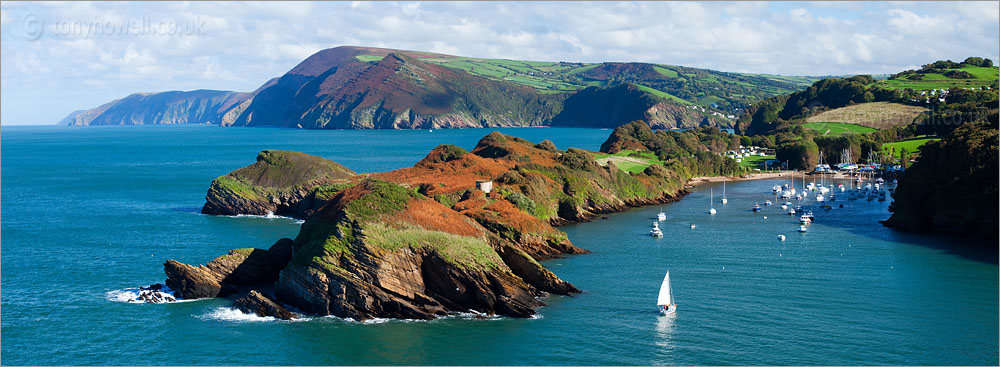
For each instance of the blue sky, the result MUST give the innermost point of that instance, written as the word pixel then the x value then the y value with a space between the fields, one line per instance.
pixel 60 57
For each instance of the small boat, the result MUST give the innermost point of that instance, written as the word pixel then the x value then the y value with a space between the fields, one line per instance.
pixel 692 225
pixel 756 207
pixel 656 232
pixel 767 202
pixel 781 237
pixel 803 229
pixel 819 198
pixel 661 216
pixel 809 214
pixel 799 197
pixel 784 207
pixel 665 300
pixel 805 220
pixel 791 211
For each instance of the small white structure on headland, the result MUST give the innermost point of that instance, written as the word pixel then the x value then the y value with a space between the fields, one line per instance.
pixel 484 186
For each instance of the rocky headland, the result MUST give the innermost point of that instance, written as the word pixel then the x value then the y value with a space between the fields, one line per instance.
pixel 419 242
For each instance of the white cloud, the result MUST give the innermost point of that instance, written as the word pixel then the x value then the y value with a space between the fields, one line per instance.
pixel 238 46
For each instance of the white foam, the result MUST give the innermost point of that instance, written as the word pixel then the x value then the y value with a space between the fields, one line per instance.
pixel 269 215
pixel 234 315
pixel 132 295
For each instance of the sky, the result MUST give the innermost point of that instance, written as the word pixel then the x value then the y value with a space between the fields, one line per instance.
pixel 59 57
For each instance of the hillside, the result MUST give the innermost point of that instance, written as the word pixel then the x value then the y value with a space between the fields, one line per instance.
pixel 974 72
pixel 375 88
pixel 175 107
pixel 609 107
pixel 396 91
pixel 964 161
pixel 877 115
pixel 727 92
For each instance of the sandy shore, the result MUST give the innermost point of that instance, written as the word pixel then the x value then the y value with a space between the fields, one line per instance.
pixel 751 176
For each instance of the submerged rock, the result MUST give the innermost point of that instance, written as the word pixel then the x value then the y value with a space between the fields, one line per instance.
pixel 256 303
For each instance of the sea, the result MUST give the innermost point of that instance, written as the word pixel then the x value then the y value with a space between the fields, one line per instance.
pixel 90 214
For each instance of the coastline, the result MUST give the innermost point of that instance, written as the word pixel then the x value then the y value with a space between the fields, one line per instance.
pixel 695 181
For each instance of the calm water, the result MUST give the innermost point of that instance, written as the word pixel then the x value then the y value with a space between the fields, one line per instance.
pixel 90 211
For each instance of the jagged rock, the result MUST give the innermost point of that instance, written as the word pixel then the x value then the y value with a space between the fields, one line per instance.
pixel 240 267
pixel 194 282
pixel 534 273
pixel 258 304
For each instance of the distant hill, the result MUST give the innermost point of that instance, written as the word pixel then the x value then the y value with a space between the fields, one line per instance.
pixel 375 88
pixel 175 107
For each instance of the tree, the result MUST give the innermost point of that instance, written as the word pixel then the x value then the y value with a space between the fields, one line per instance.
pixel 746 141
pixel 868 97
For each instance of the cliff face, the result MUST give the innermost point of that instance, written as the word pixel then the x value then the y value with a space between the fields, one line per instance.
pixel 610 107
pixel 965 161
pixel 422 242
pixel 193 107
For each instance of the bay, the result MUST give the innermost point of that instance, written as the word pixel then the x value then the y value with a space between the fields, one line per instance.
pixel 90 211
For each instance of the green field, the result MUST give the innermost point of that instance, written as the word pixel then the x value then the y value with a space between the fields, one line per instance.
pixel 984 77
pixel 662 94
pixel 628 160
pixel 367 58
pixel 754 161
pixel 837 128
pixel 912 146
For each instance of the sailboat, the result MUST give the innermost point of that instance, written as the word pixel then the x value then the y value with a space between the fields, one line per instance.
pixel 724 200
pixel 711 199
pixel 666 298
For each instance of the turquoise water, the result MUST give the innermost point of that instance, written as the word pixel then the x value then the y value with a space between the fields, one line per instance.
pixel 90 211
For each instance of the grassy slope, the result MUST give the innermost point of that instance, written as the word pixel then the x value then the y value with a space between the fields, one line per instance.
pixel 912 145
pixel 663 94
pixel 557 77
pixel 755 161
pixel 878 115
pixel 628 160
pixel 984 77
pixel 837 128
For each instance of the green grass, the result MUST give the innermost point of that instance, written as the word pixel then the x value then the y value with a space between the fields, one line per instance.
pixel 912 146
pixel 983 77
pixel 837 128
pixel 666 72
pixel 464 251
pixel 628 160
pixel 369 58
pixel 662 94
pixel 754 161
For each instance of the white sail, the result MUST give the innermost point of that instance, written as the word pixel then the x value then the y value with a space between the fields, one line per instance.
pixel 666 296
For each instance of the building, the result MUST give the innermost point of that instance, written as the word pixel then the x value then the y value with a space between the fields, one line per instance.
pixel 484 186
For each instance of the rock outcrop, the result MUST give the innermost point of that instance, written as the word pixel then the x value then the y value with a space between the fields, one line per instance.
pixel 221 276
pixel 256 303
pixel 280 182
pixel 426 241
